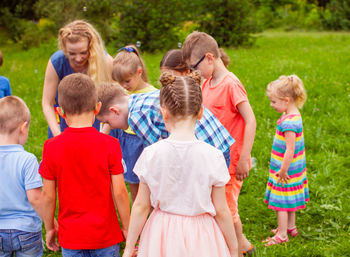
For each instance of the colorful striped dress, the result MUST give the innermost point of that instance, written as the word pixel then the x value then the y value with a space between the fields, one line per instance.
pixel 295 194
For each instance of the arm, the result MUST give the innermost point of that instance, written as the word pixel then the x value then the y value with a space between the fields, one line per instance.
pixel 224 219
pixel 139 214
pixel 48 100
pixel 121 198
pixel 49 203
pixel 282 174
pixel 34 198
pixel 242 170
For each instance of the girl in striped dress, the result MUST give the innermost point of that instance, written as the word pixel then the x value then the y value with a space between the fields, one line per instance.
pixel 287 186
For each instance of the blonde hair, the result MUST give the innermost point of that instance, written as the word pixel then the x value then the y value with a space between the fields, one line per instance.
pixel 288 86
pixel 126 63
pixel 199 43
pixel 181 95
pixel 109 94
pixel 98 69
pixel 13 111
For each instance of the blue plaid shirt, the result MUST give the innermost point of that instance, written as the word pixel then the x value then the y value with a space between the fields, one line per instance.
pixel 146 120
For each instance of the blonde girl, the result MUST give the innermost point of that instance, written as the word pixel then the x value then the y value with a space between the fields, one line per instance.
pixel 81 50
pixel 183 179
pixel 287 187
pixel 130 72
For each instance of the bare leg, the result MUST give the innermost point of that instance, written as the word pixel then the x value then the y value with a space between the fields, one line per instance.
pixel 291 219
pixel 282 217
pixel 239 235
pixel 133 191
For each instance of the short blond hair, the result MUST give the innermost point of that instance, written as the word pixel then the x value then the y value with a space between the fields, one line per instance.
pixel 288 86
pixel 13 111
pixel 109 94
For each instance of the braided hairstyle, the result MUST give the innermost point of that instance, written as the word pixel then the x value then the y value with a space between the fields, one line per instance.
pixel 181 96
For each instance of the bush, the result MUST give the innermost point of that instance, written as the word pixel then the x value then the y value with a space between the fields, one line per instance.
pixel 227 21
pixel 337 15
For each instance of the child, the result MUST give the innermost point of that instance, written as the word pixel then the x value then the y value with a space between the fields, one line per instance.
pixel 20 183
pixel 130 71
pixel 287 187
pixel 142 113
pixel 5 89
pixel 86 166
pixel 173 62
pixel 183 179
pixel 225 96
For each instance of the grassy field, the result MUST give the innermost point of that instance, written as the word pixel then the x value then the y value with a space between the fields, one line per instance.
pixel 322 61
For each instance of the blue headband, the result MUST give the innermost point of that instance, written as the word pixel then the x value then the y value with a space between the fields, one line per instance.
pixel 128 49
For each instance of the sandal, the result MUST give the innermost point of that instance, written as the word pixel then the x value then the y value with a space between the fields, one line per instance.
pixel 275 240
pixel 250 251
pixel 293 232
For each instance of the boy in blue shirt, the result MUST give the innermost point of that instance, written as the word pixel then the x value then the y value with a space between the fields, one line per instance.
pixel 5 89
pixel 20 184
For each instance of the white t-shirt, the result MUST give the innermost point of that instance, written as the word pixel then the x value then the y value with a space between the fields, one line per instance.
pixel 181 174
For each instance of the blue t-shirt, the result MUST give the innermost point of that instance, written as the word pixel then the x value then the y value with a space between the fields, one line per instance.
pixel 18 173
pixel 62 67
pixel 5 88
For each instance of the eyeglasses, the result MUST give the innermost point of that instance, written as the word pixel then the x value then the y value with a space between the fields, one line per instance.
pixel 194 67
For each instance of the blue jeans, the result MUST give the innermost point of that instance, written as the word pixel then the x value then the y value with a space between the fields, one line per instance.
pixel 112 251
pixel 23 244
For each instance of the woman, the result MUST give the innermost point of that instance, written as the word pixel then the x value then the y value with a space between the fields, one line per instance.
pixel 81 50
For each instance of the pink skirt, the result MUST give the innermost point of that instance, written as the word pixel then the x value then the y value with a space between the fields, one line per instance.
pixel 171 235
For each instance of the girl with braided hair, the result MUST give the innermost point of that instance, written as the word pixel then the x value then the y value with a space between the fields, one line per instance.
pixel 183 179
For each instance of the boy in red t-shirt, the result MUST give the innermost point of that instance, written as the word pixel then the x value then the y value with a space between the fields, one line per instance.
pixel 86 167
pixel 225 96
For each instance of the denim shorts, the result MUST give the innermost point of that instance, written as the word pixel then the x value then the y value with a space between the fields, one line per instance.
pixel 132 147
pixel 112 251
pixel 23 244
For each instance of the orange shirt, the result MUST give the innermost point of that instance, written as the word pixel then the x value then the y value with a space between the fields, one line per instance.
pixel 222 100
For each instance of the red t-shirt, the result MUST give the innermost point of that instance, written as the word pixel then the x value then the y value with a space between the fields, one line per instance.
pixel 82 161
pixel 222 100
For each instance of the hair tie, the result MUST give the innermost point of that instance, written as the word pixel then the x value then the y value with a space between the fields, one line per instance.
pixel 128 49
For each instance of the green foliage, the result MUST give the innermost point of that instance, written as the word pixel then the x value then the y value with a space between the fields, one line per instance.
pixel 338 15
pixel 227 21
pixel 153 23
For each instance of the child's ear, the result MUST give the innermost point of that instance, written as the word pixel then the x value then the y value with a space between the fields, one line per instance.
pixel 97 108
pixel 200 114
pixel 139 71
pixel 114 109
pixel 23 127
pixel 210 57
pixel 61 112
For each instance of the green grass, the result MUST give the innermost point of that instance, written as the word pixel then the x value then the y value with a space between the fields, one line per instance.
pixel 322 61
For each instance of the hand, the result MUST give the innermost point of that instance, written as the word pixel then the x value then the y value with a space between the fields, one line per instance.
pixel 242 169
pixel 129 253
pixel 51 242
pixel 282 177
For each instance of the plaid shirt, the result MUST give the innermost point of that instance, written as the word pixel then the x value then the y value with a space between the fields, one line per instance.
pixel 147 122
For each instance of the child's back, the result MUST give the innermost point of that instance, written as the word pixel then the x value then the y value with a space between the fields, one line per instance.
pixel 20 183
pixel 82 160
pixel 86 166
